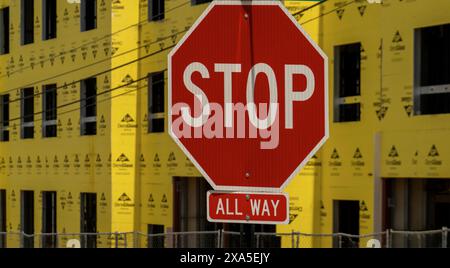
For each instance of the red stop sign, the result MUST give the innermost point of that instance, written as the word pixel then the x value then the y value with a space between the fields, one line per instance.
pixel 248 99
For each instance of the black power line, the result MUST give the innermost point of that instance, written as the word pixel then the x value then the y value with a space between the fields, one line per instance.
pixel 308 8
pixel 331 11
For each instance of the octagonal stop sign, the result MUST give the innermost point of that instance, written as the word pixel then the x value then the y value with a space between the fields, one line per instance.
pixel 248 96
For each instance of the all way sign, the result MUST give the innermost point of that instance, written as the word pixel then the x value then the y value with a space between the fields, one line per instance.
pixel 257 208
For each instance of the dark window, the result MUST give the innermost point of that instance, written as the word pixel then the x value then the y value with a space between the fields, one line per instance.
pixel 198 2
pixel 3 228
pixel 349 70
pixel 349 112
pixel 346 220
pixel 155 239
pixel 49 111
pixel 49 240
pixel 27 219
pixel 156 10
pixel 347 82
pixel 88 15
pixel 156 102
pixel 435 103
pixel 88 107
pixel 432 70
pixel 4 126
pixel 435 55
pixel 27 128
pixel 49 19
pixel 4 30
pixel 27 21
pixel 88 220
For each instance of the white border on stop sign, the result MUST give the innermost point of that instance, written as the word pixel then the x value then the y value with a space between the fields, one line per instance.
pixel 286 221
pixel 180 144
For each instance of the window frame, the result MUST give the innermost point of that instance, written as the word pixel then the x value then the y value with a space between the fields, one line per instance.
pixel 49 20
pixel 199 2
pixel 4 126
pixel 5 20
pixel 155 239
pixel 27 32
pixel 27 218
pixel 84 26
pixel 160 114
pixel 84 118
pixel 3 218
pixel 429 90
pixel 161 10
pixel 24 122
pixel 49 219
pixel 347 100
pixel 46 89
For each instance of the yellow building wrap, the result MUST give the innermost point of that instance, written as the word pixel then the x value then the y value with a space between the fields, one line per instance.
pixel 133 171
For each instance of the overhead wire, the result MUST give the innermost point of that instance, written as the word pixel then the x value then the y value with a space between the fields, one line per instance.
pixel 308 8
pixel 331 11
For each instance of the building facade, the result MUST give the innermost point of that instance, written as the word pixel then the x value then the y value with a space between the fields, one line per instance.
pixel 85 148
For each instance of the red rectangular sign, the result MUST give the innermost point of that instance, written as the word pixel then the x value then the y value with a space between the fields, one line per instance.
pixel 258 208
